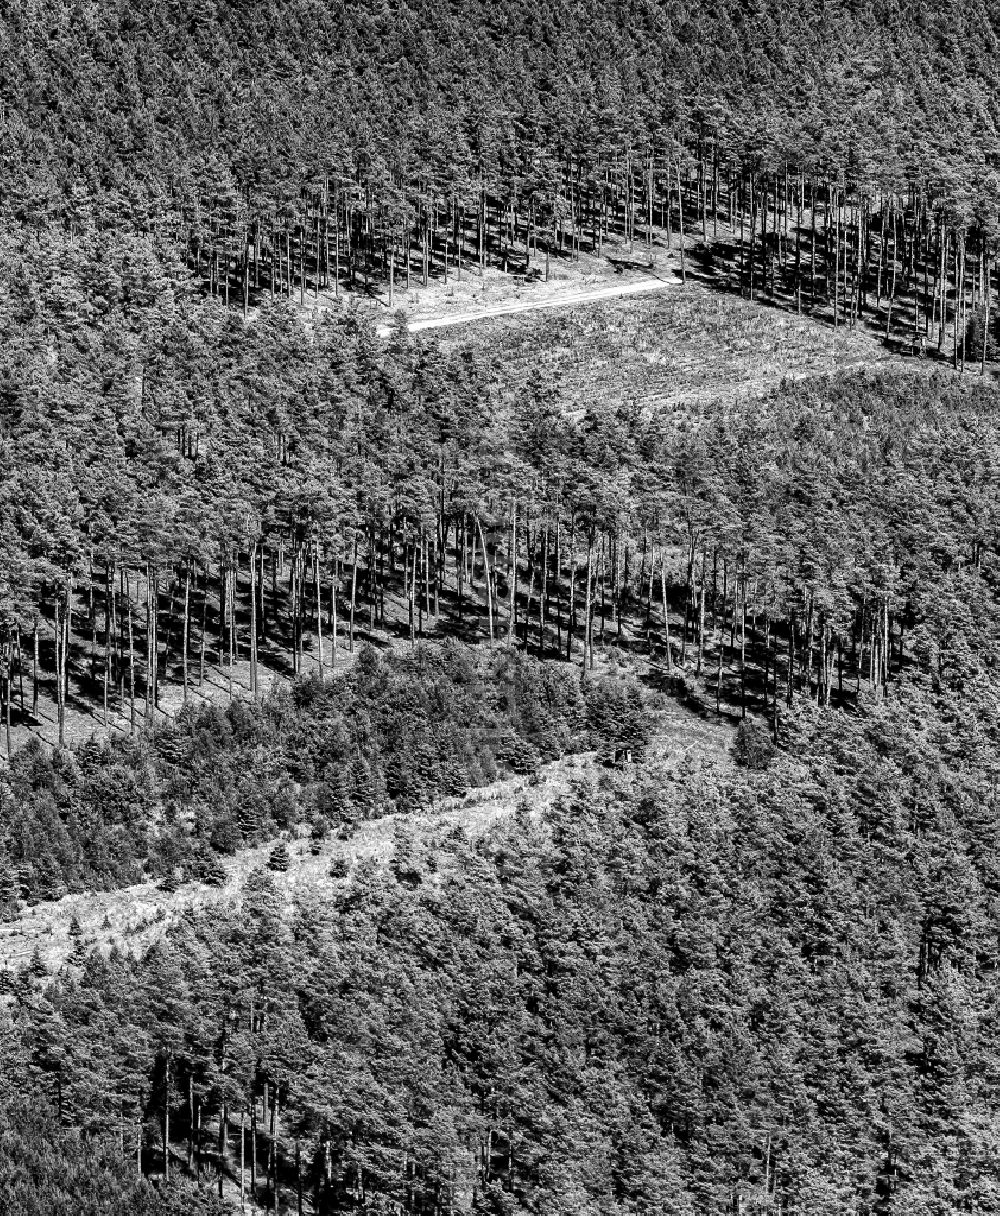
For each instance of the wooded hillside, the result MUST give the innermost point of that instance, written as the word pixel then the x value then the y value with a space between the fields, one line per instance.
pixel 168 471
pixel 849 152
pixel 827 558
pixel 686 988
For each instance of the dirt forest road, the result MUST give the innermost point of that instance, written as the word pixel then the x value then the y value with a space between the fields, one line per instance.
pixel 556 299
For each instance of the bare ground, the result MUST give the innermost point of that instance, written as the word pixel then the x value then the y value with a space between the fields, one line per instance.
pixel 698 340
pixel 136 916
pixel 539 296
pixel 687 347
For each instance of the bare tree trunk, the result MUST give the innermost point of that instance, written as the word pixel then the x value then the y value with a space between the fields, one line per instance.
pixel 187 593
pixel 319 622
pixel 489 580
pixel 666 611
pixel 333 615
pixel 34 670
pixel 354 591
pixel 986 310
pixel 512 607
pixel 108 582
pixel 680 222
pixel 572 591
pixel 131 658
pixel 588 639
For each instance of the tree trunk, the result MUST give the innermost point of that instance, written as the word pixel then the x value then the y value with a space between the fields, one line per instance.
pixel 666 611
pixel 333 616
pixel 166 1124
pixel 187 594
pixel 253 1154
pixel 354 592
pixel 319 620
pixel 131 658
pixel 570 621
pixel 743 647
pixel 486 569
pixel 254 688
pixel 588 631
pixel 34 670
pixel 512 607
pixel 680 227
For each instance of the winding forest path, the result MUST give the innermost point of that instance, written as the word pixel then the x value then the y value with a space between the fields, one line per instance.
pixel 132 918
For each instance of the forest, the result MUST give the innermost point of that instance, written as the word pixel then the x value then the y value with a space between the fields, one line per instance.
pixel 274 567
pixel 685 988
pixel 840 158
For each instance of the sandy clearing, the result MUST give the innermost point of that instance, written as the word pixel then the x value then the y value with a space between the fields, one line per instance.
pixel 566 299
pixel 132 918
